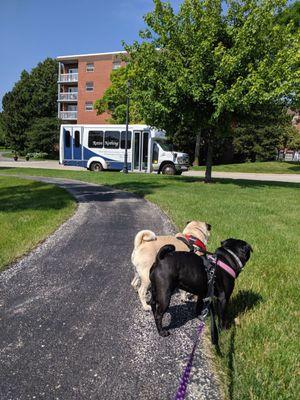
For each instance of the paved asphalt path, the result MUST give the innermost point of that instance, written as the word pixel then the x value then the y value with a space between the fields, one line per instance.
pixel 72 327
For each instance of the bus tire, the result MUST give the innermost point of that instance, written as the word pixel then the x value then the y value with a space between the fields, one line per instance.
pixel 96 166
pixel 168 169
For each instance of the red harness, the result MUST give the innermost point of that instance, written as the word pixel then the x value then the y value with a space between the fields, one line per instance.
pixel 195 242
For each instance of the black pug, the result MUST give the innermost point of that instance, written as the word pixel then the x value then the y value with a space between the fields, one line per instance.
pixel 183 270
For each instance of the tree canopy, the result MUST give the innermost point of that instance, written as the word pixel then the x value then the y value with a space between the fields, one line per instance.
pixel 197 69
pixel 33 96
pixel 291 14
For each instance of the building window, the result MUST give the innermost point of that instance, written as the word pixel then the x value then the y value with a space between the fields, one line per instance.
pixel 116 65
pixel 123 133
pixel 96 139
pixel 89 86
pixel 67 139
pixel 89 67
pixel 89 106
pixel 112 139
pixel 77 139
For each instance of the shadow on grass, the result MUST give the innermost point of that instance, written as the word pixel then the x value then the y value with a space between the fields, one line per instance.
pixel 144 184
pixel 242 302
pixel 35 196
pixel 295 167
pixel 243 183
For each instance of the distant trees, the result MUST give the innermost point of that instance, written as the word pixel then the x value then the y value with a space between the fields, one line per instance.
pixel 2 131
pixel 195 72
pixel 259 135
pixel 43 135
pixel 30 103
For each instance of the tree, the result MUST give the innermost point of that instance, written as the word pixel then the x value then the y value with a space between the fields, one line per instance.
pixel 259 135
pixel 33 96
pixel 2 131
pixel 292 138
pixel 114 98
pixel 195 70
pixel 43 135
pixel 291 14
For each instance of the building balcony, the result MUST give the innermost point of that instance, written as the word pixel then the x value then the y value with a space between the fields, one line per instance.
pixel 68 96
pixel 68 115
pixel 68 78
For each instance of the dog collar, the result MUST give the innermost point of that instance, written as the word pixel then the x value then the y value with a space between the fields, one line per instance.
pixel 239 262
pixel 198 244
pixel 224 266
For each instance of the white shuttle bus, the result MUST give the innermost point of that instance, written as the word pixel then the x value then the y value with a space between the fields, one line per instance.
pixel 102 147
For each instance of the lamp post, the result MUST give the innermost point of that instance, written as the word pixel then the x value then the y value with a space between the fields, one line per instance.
pixel 125 168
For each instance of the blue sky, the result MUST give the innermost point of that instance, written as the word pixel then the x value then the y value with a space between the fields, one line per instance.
pixel 31 30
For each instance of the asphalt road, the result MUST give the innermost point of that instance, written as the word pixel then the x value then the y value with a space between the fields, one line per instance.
pixel 71 326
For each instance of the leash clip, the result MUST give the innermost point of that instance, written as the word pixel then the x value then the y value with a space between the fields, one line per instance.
pixel 205 310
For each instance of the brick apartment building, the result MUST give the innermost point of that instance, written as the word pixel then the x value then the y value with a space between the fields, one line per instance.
pixel 82 79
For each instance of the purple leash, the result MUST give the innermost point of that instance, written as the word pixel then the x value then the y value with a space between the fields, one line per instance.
pixel 181 392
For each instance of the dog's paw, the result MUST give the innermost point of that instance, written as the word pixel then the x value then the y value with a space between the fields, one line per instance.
pixel 147 307
pixel 164 333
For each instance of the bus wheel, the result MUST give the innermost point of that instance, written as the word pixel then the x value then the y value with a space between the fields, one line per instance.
pixel 168 169
pixel 96 166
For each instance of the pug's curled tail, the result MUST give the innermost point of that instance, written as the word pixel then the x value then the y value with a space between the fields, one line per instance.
pixel 143 236
pixel 168 248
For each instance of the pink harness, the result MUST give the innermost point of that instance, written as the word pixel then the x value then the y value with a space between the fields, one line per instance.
pixel 224 266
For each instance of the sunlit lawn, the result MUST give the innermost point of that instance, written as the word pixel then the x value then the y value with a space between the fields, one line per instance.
pixel 269 167
pixel 29 212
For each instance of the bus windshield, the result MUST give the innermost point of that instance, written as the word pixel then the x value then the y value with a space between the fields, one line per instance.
pixel 165 145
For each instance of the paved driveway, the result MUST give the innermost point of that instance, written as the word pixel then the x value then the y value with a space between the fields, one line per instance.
pixel 72 327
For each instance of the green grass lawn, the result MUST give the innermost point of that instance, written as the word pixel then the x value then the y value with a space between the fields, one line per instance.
pixel 260 352
pixel 29 212
pixel 269 167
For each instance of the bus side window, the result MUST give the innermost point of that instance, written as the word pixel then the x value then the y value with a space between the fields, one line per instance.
pixel 77 139
pixel 67 139
pixel 155 153
pixel 95 139
pixel 123 134
pixel 112 140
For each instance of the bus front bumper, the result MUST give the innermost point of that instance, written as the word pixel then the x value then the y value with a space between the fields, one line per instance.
pixel 181 167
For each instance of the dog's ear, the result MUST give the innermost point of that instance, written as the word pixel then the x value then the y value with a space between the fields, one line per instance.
pixel 208 226
pixel 249 248
pixel 226 242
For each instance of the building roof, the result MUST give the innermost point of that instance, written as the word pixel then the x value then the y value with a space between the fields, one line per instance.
pixel 75 56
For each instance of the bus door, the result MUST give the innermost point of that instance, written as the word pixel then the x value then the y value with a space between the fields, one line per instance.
pixel 140 150
pixel 68 148
pixel 77 143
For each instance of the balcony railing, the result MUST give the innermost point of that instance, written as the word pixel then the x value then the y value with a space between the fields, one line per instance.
pixel 68 115
pixel 68 77
pixel 69 96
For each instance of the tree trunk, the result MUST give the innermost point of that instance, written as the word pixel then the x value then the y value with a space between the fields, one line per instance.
pixel 208 178
pixel 197 148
